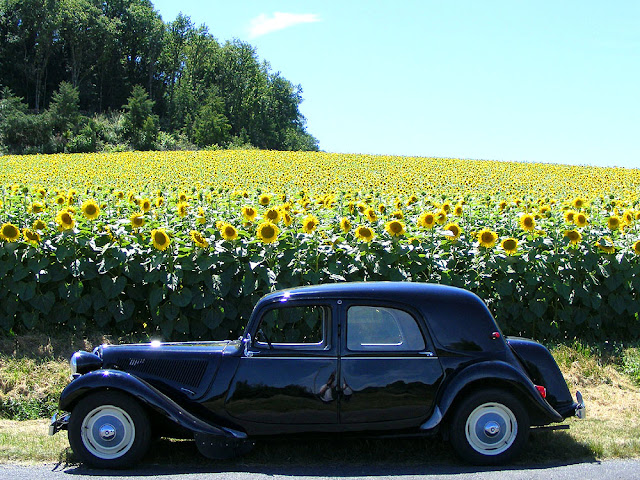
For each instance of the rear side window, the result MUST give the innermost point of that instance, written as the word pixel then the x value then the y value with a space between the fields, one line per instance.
pixel 299 325
pixel 372 328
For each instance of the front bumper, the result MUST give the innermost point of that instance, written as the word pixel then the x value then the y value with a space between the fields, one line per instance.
pixel 59 422
pixel 581 410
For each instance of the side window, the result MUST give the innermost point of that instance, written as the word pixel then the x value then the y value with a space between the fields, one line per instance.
pixel 382 329
pixel 305 325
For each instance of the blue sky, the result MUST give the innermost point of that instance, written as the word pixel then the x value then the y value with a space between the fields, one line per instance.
pixel 543 81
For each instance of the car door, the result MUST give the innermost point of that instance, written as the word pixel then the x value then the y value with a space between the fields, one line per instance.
pixel 388 369
pixel 287 376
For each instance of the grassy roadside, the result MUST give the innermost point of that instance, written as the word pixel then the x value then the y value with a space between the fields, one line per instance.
pixel 33 371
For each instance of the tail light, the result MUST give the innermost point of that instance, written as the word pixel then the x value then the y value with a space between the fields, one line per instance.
pixel 542 391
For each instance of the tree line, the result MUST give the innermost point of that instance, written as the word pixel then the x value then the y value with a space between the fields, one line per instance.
pixel 88 75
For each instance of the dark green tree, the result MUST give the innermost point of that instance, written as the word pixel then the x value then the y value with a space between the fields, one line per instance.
pixel 210 126
pixel 64 110
pixel 140 124
pixel 21 132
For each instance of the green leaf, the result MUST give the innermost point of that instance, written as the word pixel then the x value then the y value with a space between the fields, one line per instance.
pixel 112 286
pixel 181 298
pixel 65 251
pixel 156 296
pixel 121 310
pixel 29 291
pixel 102 318
pixel 182 325
pixel 134 271
pixel 213 317
pixel 83 305
pixel 44 303
pixel 538 307
pixel 30 319
pixel 205 261
pixel 617 303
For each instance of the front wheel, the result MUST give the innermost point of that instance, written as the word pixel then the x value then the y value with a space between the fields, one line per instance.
pixel 490 427
pixel 109 430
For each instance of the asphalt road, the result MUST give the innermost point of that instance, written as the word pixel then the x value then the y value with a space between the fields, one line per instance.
pixel 609 470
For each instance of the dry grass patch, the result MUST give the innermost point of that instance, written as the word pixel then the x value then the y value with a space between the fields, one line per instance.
pixel 28 442
pixel 612 426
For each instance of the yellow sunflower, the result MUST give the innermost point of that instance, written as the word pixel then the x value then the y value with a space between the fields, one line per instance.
pixel 268 232
pixel 613 223
pixel 198 239
pixel 395 228
pixel 287 219
pixel 249 213
pixel 455 230
pixel 61 200
pixel 36 207
pixel 636 247
pixel 527 222
pixel 382 208
pixel 578 202
pixel 574 236
pixel 137 220
pixel 145 205
pixel 65 220
pixel 264 200
pixel 487 238
pixel 580 219
pixel 426 220
pixel 605 244
pixel 90 209
pixel 371 215
pixel 272 215
pixel 31 236
pixel 309 224
pixel 9 232
pixel 568 216
pixel 628 217
pixel 160 239
pixel 159 201
pixel 345 225
pixel 457 210
pixel 441 217
pixel 182 208
pixel 364 233
pixel 509 245
pixel 39 225
pixel 182 197
pixel 545 211
pixel 228 232
pixel 201 216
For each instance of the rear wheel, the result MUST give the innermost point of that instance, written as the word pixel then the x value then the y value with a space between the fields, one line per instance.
pixel 109 430
pixel 489 427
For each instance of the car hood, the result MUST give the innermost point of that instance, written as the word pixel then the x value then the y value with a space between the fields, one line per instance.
pixel 186 368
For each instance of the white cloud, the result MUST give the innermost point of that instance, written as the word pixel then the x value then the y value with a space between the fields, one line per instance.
pixel 264 24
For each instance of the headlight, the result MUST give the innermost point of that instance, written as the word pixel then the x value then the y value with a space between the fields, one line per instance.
pixel 84 362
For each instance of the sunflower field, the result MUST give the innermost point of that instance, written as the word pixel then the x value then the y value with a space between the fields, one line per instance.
pixel 182 244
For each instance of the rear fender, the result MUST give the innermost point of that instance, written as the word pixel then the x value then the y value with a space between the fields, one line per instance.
pixel 148 395
pixel 492 374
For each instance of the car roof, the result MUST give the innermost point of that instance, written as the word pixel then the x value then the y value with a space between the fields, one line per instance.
pixel 412 292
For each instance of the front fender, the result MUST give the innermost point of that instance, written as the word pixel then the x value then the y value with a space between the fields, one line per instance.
pixel 491 374
pixel 147 394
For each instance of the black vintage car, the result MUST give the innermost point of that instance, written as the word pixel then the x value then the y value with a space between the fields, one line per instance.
pixel 364 358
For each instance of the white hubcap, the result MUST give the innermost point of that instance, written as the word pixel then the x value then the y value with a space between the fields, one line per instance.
pixel 491 429
pixel 108 432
